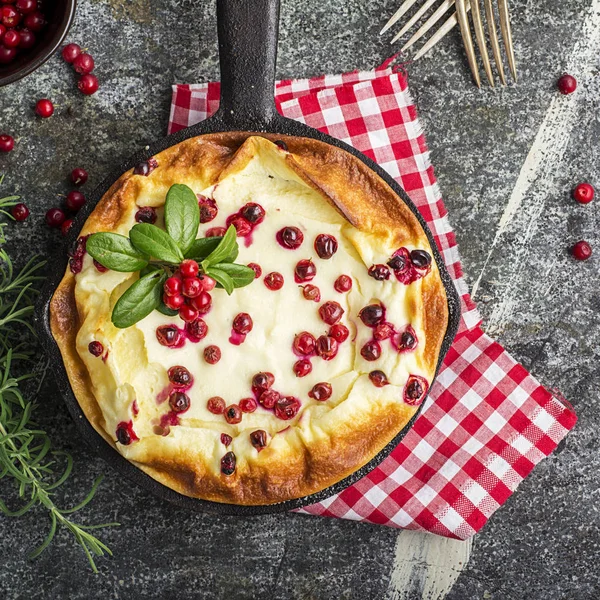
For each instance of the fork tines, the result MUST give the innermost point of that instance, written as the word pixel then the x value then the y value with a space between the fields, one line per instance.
pixel 460 16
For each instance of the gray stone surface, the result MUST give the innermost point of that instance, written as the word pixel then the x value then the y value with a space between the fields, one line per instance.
pixel 543 544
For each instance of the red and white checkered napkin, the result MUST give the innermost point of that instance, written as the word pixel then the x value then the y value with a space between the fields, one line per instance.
pixel 487 421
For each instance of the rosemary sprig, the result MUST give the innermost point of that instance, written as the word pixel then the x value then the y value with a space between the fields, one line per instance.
pixel 26 454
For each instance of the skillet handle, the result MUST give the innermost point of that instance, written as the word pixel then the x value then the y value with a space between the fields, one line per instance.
pixel 248 31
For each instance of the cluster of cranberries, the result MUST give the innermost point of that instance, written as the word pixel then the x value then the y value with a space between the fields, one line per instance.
pixel 583 194
pixel 83 64
pixel 20 21
pixel 187 292
pixel 407 266
pixel 74 201
pixel 245 220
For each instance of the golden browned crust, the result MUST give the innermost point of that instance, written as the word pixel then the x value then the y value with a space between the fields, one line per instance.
pixel 308 467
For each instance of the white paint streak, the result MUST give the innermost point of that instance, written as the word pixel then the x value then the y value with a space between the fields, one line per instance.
pixel 426 566
pixel 547 151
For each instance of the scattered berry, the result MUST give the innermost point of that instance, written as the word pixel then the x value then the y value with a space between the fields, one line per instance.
pixel 290 238
pixel 233 414
pixel 378 378
pixel 96 349
pixel 248 405
pixel 379 272
pixel 79 176
pixel 302 368
pixel 274 281
pixel 66 227
pixel 55 217
pixel 212 355
pixel 75 200
pixel 70 52
pixel 582 250
pixel 584 193
pixel 44 108
pixel 20 212
pixel 321 391
pixel 311 292
pixel 305 271
pixel 325 246
pixel 7 143
pixel 567 84
pixel 343 284
pixel 256 268
pixel 216 405
pixel 83 63
pixel 88 84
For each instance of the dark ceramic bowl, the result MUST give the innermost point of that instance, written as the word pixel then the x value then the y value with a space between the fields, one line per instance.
pixel 59 14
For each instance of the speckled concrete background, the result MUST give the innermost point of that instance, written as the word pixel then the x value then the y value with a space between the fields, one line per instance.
pixel 543 544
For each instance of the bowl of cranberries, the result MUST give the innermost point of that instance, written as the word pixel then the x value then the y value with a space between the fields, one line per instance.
pixel 30 32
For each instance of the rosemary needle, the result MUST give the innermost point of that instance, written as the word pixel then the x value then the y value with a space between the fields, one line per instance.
pixel 26 454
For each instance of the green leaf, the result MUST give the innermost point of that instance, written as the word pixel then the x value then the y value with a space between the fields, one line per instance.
pixel 155 242
pixel 182 215
pixel 115 252
pixel 202 247
pixel 227 246
pixel 241 275
pixel 165 310
pixel 139 300
pixel 223 278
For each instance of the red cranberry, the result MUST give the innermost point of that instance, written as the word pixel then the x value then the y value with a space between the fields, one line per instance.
pixel 407 340
pixel 168 336
pixel 242 227
pixel 179 402
pixel 192 287
pixel 400 260
pixel 88 85
pixel 216 232
pixel 125 434
pixel 12 38
pixel 83 63
pixel 287 408
pixel 212 354
pixel 327 347
pixel 27 39
pixel 321 392
pixel 100 268
pixel 146 214
pixel 274 281
pixel 268 398
pixel 208 283
pixel 304 344
pixel 202 302
pixel 248 405
pixel 75 200
pixel 7 55
pixel 339 332
pixel 208 209
pixel 226 439
pixel 371 351
pixel 311 292
pixel 196 330
pixel 379 272
pixel 325 246
pixel 96 348
pixel 302 368
pixel 372 315
pixel 66 227
pixel 174 302
pixel 76 265
pixel 79 176
pixel 10 16
pixel 256 268
pixel 305 271
pixel 415 390
pixel 281 145
pixel 7 143
pixel 146 167
pixel 383 331
pixel 420 258
pixel 189 268
pixel 582 250
pixel 258 439
pixel 331 312
pixel 180 376
pixel 70 52
pixel 378 378
pixel 26 6
pixel 216 405
pixel 343 284
pixel 55 217
pixel 35 21
pixel 566 84
pixel 228 464
pixel 186 312
pixel 242 323
pixel 3 30
pixel 253 213
pixel 584 193
pixel 44 108
pixel 262 381
pixel 290 238
pixel 20 212
pixel 233 414
pixel 172 286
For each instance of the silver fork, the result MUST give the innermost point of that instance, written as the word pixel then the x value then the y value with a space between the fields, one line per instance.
pixel 460 16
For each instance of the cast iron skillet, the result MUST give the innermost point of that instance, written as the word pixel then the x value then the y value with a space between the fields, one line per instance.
pixel 248 49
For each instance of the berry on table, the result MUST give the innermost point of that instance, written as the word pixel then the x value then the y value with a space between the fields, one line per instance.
pixel 79 176
pixel 70 52
pixel 582 250
pixel 584 193
pixel 20 212
pixel 66 227
pixel 88 84
pixel 55 217
pixel 44 108
pixel 83 63
pixel 75 200
pixel 567 84
pixel 7 143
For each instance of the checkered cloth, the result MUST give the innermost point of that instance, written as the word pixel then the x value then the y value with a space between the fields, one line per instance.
pixel 487 422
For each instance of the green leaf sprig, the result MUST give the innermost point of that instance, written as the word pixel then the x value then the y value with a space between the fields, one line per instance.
pixel 156 253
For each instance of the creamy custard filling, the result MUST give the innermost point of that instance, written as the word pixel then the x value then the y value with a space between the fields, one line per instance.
pixel 131 375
